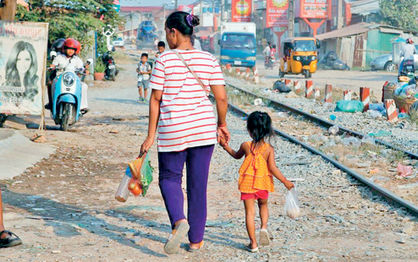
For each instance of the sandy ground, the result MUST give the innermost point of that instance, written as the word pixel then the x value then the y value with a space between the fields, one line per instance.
pixel 63 208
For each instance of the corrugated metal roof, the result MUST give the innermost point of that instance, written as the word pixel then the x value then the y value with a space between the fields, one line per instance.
pixel 347 31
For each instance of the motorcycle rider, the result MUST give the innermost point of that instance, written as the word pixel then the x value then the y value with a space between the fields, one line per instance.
pixel 69 61
pixel 407 53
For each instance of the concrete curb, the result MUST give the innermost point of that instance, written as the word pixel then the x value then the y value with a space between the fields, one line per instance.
pixel 17 153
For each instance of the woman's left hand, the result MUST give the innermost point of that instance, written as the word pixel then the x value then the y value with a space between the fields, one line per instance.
pixel 146 145
pixel 223 133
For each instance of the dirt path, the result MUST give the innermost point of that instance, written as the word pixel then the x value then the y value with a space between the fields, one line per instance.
pixel 64 209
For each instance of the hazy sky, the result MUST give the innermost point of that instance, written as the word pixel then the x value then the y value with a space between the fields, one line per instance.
pixel 153 2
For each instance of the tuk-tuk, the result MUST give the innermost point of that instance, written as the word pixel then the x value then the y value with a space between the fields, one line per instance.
pixel 299 55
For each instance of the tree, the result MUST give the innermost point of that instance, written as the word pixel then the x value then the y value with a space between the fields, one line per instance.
pixel 71 18
pixel 399 13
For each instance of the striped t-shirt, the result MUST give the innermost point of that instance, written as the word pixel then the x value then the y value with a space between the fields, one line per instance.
pixel 186 114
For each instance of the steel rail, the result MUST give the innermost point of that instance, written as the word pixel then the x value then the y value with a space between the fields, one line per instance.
pixel 383 191
pixel 325 123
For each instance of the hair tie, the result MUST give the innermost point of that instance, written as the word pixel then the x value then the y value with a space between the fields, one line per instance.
pixel 189 19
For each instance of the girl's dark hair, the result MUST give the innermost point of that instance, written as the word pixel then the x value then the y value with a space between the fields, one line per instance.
pixel 182 21
pixel 259 126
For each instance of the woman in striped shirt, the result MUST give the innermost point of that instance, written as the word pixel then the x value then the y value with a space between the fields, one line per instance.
pixel 187 127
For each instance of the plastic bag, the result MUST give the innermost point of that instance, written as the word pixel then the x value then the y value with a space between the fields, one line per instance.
pixel 122 193
pixel 350 106
pixel 291 207
pixel 142 170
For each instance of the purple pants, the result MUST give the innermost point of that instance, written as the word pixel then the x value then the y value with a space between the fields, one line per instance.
pixel 171 165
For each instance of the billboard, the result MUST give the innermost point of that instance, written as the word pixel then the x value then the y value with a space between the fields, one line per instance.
pixel 314 8
pixel 241 10
pixel 22 67
pixel 276 13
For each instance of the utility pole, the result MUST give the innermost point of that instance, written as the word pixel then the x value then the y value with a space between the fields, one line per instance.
pixel 291 17
pixel 8 10
pixel 176 5
pixel 340 19
pixel 222 11
pixel 132 25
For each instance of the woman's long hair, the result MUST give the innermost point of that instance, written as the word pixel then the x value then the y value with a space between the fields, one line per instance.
pixel 30 78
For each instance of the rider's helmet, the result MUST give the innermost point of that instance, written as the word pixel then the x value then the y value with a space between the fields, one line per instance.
pixel 78 47
pixel 71 43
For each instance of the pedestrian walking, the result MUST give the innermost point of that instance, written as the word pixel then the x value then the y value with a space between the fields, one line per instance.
pixel 7 238
pixel 144 72
pixel 160 49
pixel 256 174
pixel 187 127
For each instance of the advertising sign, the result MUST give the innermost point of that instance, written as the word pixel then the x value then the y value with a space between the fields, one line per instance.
pixel 185 8
pixel 22 67
pixel 116 5
pixel 276 13
pixel 207 19
pixel 241 10
pixel 314 8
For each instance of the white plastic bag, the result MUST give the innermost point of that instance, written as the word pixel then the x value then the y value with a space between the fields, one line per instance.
pixel 291 207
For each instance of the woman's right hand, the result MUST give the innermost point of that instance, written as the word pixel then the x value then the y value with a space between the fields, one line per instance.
pixel 289 185
pixel 146 145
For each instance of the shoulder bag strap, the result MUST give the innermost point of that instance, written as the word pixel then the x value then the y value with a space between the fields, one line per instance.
pixel 191 71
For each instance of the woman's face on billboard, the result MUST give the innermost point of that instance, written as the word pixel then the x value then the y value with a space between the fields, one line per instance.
pixel 23 62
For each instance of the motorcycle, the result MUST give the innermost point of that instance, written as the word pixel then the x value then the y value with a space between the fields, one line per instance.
pixel 407 68
pixel 67 99
pixel 111 71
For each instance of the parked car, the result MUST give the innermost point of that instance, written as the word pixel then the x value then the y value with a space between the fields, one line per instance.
pixel 383 62
pixel 118 42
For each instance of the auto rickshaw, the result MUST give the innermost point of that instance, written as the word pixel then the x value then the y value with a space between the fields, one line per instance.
pixel 299 56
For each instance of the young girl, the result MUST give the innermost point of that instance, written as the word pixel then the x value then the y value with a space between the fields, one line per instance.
pixel 256 174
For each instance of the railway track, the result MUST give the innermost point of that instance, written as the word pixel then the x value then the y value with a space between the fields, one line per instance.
pixel 321 122
pixel 318 124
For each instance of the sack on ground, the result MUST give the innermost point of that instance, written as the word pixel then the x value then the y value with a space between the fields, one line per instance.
pixel 281 87
pixel 350 106
pixel 141 170
pixel 291 207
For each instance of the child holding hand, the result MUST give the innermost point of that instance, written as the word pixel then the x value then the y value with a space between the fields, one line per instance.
pixel 256 174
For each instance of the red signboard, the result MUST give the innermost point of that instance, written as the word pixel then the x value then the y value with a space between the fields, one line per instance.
pixel 241 10
pixel 185 8
pixel 276 13
pixel 314 8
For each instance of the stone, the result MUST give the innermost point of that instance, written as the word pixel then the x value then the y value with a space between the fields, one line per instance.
pixel 400 241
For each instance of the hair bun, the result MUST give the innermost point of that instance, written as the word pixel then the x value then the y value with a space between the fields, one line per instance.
pixel 195 21
pixel 192 20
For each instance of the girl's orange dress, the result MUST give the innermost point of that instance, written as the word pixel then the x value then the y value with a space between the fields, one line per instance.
pixel 255 180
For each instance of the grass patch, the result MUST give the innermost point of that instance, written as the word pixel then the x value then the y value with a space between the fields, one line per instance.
pixel 397 156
